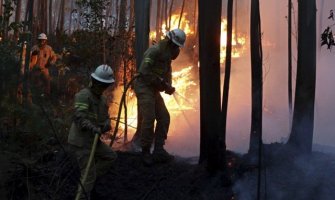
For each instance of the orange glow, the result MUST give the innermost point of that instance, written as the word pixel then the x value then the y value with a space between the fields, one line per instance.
pixel 238 43
pixel 184 25
pixel 176 103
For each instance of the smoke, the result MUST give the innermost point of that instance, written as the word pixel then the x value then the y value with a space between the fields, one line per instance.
pixel 288 176
pixel 184 134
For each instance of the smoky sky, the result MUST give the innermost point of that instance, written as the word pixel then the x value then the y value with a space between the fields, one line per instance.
pixel 275 69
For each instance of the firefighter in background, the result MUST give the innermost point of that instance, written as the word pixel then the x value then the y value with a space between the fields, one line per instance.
pixel 155 77
pixel 90 118
pixel 42 56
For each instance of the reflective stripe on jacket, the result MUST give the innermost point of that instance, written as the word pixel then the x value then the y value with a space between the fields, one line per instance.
pixel 90 111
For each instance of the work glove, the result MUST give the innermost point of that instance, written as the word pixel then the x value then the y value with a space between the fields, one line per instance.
pixel 159 84
pixel 96 130
pixel 169 89
pixel 35 52
pixel 106 126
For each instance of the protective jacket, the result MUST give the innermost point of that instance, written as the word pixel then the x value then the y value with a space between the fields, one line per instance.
pixel 44 56
pixel 91 111
pixel 156 63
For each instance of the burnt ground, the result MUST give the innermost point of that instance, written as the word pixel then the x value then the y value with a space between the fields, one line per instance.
pixel 285 175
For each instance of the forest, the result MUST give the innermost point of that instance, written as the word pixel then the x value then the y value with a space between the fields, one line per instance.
pixel 250 115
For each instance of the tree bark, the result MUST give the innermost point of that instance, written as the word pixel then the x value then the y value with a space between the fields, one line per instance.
pixel 256 78
pixel 303 115
pixel 17 16
pixel 61 16
pixel 181 13
pixel 170 14
pixel 210 106
pixel 289 23
pixel 142 29
pixel 1 1
pixel 158 20
pixel 51 28
pixel 225 92
pixel 70 17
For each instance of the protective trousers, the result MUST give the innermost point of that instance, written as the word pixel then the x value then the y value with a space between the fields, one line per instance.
pixel 103 159
pixel 152 107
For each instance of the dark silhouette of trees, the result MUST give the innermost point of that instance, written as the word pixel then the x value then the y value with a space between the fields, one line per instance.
pixel 210 103
pixel 303 115
pixel 256 78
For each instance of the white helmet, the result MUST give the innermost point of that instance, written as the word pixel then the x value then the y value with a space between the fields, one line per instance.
pixel 42 36
pixel 177 36
pixel 103 73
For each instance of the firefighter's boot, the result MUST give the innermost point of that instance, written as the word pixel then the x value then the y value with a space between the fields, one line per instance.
pixel 147 157
pixel 160 155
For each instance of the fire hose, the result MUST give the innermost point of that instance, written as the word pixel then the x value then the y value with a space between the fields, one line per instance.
pixel 89 163
pixel 81 187
pixel 122 101
pixel 96 138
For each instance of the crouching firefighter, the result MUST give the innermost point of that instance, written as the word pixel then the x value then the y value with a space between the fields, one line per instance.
pixel 89 122
pixel 155 76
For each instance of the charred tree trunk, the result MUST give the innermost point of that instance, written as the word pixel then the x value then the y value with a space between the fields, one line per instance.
pixel 303 115
pixel 225 92
pixel 142 29
pixel 256 78
pixel 289 22
pixel 210 106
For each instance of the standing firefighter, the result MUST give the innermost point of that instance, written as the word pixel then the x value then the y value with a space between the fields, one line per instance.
pixel 155 77
pixel 42 57
pixel 91 120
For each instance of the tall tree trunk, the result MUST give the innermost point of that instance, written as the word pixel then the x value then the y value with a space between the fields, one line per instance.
pixel 303 115
pixel 70 17
pixel 225 92
pixel 43 16
pixel 1 7
pixel 170 14
pixel 50 17
pixel 256 78
pixel 210 106
pixel 61 16
pixel 131 17
pixel 17 16
pixel 158 20
pixel 117 11
pixel 289 23
pixel 181 13
pixel 29 15
pixel 255 149
pixel 142 29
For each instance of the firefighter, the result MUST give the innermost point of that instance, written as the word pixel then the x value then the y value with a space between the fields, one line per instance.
pixel 42 56
pixel 155 77
pixel 90 118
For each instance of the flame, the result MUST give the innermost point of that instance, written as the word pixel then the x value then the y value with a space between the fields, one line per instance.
pixel 182 80
pixel 238 43
pixel 184 25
